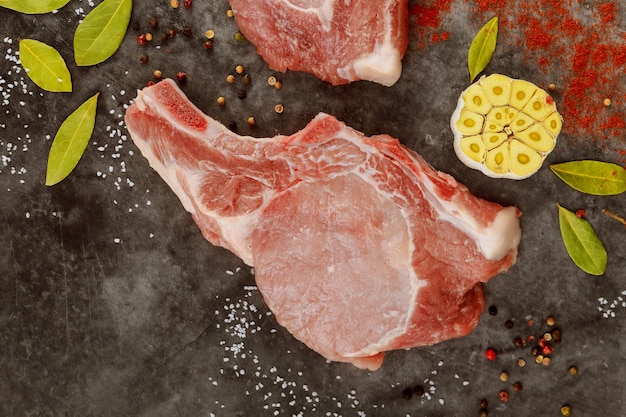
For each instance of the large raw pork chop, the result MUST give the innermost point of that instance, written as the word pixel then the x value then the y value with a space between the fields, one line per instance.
pixel 359 246
pixel 339 41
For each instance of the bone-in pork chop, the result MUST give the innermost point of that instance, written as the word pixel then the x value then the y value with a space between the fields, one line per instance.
pixel 339 41
pixel 359 246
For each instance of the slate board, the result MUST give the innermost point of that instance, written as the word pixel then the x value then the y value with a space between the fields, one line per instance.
pixel 112 303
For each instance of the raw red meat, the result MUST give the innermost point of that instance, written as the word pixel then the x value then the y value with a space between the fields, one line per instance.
pixel 359 246
pixel 338 41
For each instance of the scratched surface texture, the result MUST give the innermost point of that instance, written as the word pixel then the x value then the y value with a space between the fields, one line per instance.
pixel 112 304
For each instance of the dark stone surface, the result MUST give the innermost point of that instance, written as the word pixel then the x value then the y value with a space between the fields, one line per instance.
pixel 112 304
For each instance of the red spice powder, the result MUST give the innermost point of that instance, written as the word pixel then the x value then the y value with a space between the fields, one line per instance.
pixel 425 20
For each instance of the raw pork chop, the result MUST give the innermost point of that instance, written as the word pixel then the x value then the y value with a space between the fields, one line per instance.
pixel 339 41
pixel 359 246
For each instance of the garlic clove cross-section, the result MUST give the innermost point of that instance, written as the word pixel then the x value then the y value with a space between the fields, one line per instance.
pixel 505 127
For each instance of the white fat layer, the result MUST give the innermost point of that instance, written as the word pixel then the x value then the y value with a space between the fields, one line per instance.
pixel 322 8
pixel 383 65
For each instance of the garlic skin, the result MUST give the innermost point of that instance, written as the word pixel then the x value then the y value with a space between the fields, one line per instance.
pixel 505 127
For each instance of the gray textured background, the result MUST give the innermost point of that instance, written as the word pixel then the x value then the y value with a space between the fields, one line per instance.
pixel 112 304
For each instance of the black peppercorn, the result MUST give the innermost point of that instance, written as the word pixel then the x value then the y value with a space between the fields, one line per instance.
pixel 407 394
pixel 241 94
pixel 508 324
pixel 232 125
pixel 143 58
pixel 153 22
pixel 418 390
pixel 187 31
pixel 493 310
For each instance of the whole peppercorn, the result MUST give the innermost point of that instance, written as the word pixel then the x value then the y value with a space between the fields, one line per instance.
pixel 573 370
pixel 208 44
pixel 278 85
pixel 550 320
pixel 503 396
pixel 504 376
pixel 239 69
pixel 210 34
pixel 153 22
pixel 157 74
pixel 518 342
pixel 143 58
pixel 547 349
pixel 141 39
pixel 171 33
pixel 566 410
pixel 483 412
pixel 239 37
pixel 606 102
pixel 418 391
pixel 490 354
pixel 174 4
pixel 517 387
pixel 251 121
pixel 407 393
pixel 246 79
pixel 242 94
pixel 181 76
pixel 164 37
pixel 556 336
pixel 230 78
pixel 279 108
pixel 493 310
pixel 271 80
pixel 221 100
pixel 521 362
pixel 187 4
pixel 187 31
pixel 508 324
pixel 484 403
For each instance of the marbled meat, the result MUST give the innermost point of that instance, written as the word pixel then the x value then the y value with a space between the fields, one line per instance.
pixel 359 246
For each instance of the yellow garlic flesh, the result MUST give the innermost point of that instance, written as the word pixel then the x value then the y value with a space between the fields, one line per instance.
pixel 505 127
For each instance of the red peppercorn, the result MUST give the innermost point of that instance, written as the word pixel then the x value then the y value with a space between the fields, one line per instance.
pixel 187 4
pixel 580 213
pixel 150 83
pixel 503 396
pixel 490 354
pixel 547 349
pixel 141 39
pixel 208 44
pixel 182 76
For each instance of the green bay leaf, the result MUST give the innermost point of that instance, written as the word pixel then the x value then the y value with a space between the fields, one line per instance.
pixel 592 177
pixel 99 35
pixel 482 48
pixel 45 66
pixel 33 6
pixel 71 140
pixel 582 243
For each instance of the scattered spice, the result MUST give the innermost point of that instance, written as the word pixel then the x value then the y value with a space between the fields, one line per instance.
pixel 181 76
pixel 230 79
pixel 153 22
pixel 148 36
pixel 484 403
pixel 157 74
pixel 174 4
pixel 221 100
pixel 229 13
pixel 556 335
pixel 239 69
pixel 141 39
pixel 508 324
pixel 573 370
pixel 606 102
pixel 239 37
pixel 210 34
pixel 242 94
pixel 518 342
pixel 504 376
pixel 278 85
pixel 490 354
pixel 493 310
pixel 566 410
pixel 418 391
pixel 503 396
pixel 143 58
pixel 407 393
pixel 521 362
pixel 187 4
pixel 550 320
pixel 187 32
pixel 251 121
pixel 517 387
pixel 551 87
pixel 271 80
pixel 483 412
pixel 246 79
pixel 279 108
pixel 208 44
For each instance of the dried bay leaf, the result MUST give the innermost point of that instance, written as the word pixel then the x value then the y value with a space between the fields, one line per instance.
pixel 101 33
pixel 582 243
pixel 482 48
pixel 71 140
pixel 592 177
pixel 33 6
pixel 45 66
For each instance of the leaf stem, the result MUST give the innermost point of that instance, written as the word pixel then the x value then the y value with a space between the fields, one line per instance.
pixel 614 216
